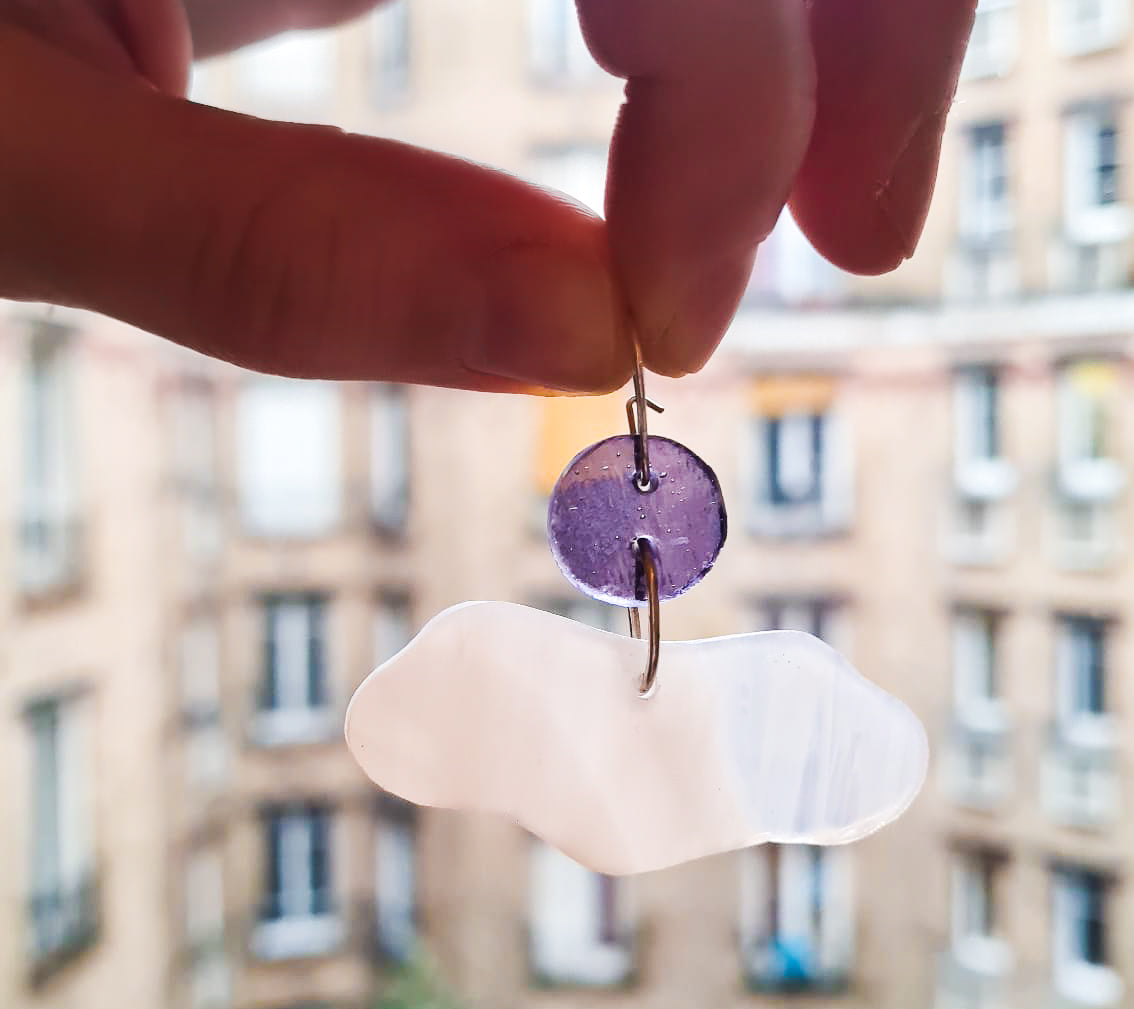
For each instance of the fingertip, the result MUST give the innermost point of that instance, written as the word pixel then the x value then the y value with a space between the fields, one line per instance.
pixel 864 222
pixel 701 312
pixel 552 318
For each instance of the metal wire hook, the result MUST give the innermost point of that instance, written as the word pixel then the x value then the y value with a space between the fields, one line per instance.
pixel 636 417
pixel 636 413
pixel 644 550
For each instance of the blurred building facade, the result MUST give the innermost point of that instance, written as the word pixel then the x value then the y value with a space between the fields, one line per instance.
pixel 929 470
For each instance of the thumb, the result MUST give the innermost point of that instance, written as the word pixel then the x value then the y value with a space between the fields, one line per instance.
pixel 292 249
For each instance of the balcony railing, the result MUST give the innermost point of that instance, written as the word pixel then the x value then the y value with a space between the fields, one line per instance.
pixel 1080 773
pixel 50 553
pixel 208 973
pixel 62 922
pixel 984 265
pixel 279 934
pixel 294 726
pixel 388 935
pixel 784 966
pixel 977 769
pixel 829 515
pixel 963 985
pixel 555 964
pixel 980 530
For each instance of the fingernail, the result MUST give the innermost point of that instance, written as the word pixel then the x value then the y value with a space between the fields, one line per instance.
pixel 551 318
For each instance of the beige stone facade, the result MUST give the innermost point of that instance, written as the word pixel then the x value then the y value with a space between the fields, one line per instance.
pixel 929 469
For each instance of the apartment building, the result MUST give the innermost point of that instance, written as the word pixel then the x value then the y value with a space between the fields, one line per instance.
pixel 929 470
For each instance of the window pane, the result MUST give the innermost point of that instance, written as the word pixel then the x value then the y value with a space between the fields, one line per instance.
pixel 391 629
pixel 295 66
pixel 46 868
pixel 295 674
pixel 395 882
pixel 390 50
pixel 794 452
pixel 288 457
pixel 389 456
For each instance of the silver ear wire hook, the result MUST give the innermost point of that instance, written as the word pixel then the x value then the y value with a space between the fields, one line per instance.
pixel 636 407
pixel 644 550
pixel 636 417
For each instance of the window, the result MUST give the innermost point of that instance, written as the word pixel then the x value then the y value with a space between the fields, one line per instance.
pixel 295 67
pixel 562 426
pixel 1080 782
pixel 985 199
pixel 390 51
pixel 194 466
pixel 49 520
pixel 198 661
pixel 298 915
pixel 1086 403
pixel 1081 672
pixel 803 476
pixel 1081 954
pixel 193 430
pixel 788 270
pixel 577 172
pixel 209 982
pixel 977 764
pixel 557 50
pixel 980 473
pixel 976 414
pixel 294 702
pixel 395 886
pixel 1082 26
pixel 391 627
pixel 578 923
pixel 795 458
pixel 589 612
pixel 976 689
pixel 389 457
pixel 796 917
pixel 1093 177
pixel 993 42
pixel 288 457
pixel 975 928
pixel 822 617
pixel 62 904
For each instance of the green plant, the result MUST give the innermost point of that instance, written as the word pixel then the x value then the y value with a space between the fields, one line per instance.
pixel 415 986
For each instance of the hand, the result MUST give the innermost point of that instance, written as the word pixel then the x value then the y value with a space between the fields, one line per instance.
pixel 303 251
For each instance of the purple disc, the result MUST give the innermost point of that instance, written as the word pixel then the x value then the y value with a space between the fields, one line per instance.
pixel 597 514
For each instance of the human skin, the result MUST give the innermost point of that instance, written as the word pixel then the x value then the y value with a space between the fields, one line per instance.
pixel 305 251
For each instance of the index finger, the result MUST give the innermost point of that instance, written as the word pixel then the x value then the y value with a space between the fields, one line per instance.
pixel 718 112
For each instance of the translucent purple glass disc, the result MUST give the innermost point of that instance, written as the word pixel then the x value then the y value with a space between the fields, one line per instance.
pixel 597 513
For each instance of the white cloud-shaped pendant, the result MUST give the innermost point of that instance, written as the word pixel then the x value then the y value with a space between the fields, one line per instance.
pixel 750 738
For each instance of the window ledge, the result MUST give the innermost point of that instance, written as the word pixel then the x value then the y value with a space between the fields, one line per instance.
pixel 984 718
pixel 290 938
pixel 1089 984
pixel 600 966
pixel 1091 480
pixel 779 967
pixel 1101 225
pixel 986 66
pixel 1085 43
pixel 63 925
pixel 296 727
pixel 984 955
pixel 790 522
pixel 1087 732
pixel 985 479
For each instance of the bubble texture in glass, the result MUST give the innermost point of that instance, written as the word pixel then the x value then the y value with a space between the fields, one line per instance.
pixel 597 513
